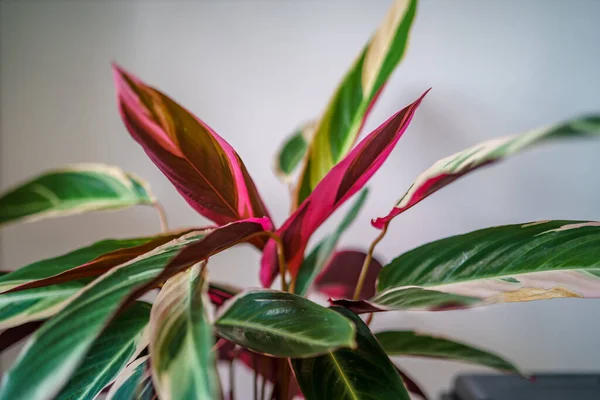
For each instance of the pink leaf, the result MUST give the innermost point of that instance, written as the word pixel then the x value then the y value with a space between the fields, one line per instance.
pixel 202 166
pixel 340 276
pixel 340 183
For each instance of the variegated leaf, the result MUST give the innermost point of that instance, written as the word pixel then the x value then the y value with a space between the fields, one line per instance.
pixel 414 344
pixel 282 324
pixel 343 181
pixel 109 354
pixel 364 372
pixel 322 254
pixel 546 259
pixel 449 169
pixel 134 382
pixel 35 303
pixel 181 339
pixel 408 298
pixel 56 349
pixel 72 190
pixel 95 267
pixel 202 166
pixel 341 122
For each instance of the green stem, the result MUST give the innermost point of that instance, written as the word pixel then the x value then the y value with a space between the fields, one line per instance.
pixel 365 267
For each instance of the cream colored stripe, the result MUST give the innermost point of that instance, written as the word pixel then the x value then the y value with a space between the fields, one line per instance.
pixel 381 42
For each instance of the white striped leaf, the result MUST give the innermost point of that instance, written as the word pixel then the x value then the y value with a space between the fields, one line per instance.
pixel 409 298
pixel 341 122
pixel 447 170
pixel 57 348
pixel 28 305
pixel 546 259
pixel 414 344
pixel 134 382
pixel 282 324
pixel 109 354
pixel 72 190
pixel 181 339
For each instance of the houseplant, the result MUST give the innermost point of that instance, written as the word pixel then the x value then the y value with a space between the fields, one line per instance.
pixel 89 298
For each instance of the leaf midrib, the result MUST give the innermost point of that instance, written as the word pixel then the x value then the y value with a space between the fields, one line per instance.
pixel 264 328
pixel 343 376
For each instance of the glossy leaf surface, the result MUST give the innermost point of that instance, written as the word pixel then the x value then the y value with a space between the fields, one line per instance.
pixel 449 169
pixel 282 324
pixel 202 166
pixel 343 181
pixel 73 190
pixel 181 339
pixel 362 373
pixel 55 350
pixel 549 259
pixel 108 355
pixel 413 344
pixel 323 254
pixel 341 122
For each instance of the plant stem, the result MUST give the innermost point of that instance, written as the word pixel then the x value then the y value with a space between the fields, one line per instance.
pixel 162 215
pixel 263 367
pixel 285 379
pixel 367 263
pixel 280 259
pixel 255 382
pixel 231 380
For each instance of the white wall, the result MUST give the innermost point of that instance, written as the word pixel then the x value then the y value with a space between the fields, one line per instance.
pixel 254 69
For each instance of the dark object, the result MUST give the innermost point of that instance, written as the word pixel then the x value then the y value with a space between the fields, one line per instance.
pixel 538 387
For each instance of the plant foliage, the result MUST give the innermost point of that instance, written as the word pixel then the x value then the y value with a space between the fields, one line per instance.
pixel 88 331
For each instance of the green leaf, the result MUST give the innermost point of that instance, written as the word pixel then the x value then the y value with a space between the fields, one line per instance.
pixel 362 373
pixel 346 112
pixel 319 257
pixel 56 349
pixel 109 354
pixel 413 344
pixel 282 324
pixel 18 308
pixel 181 339
pixel 292 152
pixel 409 298
pixel 548 258
pixel 447 170
pixel 28 305
pixel 56 265
pixel 72 190
pixel 134 382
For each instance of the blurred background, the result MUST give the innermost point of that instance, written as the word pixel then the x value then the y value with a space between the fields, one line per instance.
pixel 254 70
